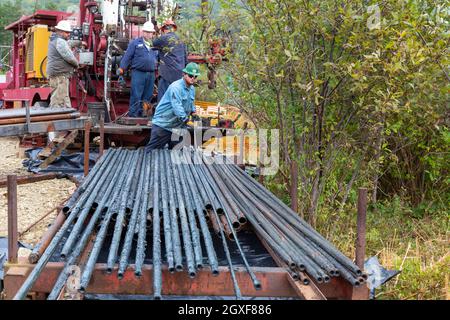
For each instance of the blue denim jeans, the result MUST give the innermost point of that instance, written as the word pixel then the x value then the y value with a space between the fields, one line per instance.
pixel 141 90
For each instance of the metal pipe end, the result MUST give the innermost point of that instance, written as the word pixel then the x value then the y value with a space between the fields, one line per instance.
pixel 292 265
pixel 236 224
pixel 108 270
pixel 215 272
pixel 242 220
pixel 358 272
pixel 192 274
pixel 337 273
pixel 171 269
pixel 326 279
pixel 257 285
pixel 199 266
pixel 294 276
pixel 356 283
pixel 138 273
pixel 179 268
pixel 332 273
pixel 65 210
pixel 302 267
pixel 305 281
pixel 82 290
pixel 319 280
pixel 157 297
pixel 120 275
pixel 63 256
pixel 230 236
pixel 364 276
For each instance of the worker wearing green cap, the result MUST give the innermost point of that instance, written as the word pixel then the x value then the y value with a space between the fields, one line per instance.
pixel 174 109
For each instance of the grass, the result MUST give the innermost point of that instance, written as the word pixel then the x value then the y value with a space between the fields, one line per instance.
pixel 402 241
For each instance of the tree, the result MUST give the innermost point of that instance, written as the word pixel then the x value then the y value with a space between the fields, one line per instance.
pixel 356 91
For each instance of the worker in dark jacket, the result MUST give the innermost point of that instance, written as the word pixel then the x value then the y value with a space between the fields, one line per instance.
pixel 61 63
pixel 174 109
pixel 142 59
pixel 172 55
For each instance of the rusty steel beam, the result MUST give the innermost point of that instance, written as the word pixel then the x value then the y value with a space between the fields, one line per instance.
pixel 33 178
pixel 12 219
pixel 274 281
pixel 59 149
pixel 47 238
pixel 361 228
pixel 40 118
pixel 41 127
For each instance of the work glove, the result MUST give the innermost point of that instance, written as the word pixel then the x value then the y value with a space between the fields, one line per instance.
pixel 122 81
pixel 119 71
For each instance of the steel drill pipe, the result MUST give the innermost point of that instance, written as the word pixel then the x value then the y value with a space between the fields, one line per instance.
pixel 312 260
pixel 256 282
pixel 198 255
pixel 157 271
pixel 137 194
pixel 165 211
pixel 141 244
pixel 291 217
pixel 34 275
pixel 194 189
pixel 93 176
pixel 187 241
pixel 114 248
pixel 81 244
pixel 116 183
pixel 176 242
pixel 84 213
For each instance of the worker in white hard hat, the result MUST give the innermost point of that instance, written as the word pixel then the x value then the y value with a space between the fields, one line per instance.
pixel 61 63
pixel 142 59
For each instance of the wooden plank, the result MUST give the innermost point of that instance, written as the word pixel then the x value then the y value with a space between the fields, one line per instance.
pixel 59 149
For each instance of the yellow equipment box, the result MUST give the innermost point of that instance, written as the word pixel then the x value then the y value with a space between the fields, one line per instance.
pixel 38 37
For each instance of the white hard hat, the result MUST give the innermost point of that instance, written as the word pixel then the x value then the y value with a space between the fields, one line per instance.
pixel 148 27
pixel 64 25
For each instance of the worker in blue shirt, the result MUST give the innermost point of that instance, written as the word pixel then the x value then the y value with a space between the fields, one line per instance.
pixel 143 61
pixel 174 109
pixel 172 55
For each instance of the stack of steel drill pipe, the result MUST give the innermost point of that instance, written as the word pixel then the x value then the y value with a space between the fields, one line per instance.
pixel 91 186
pixel 187 239
pixel 92 202
pixel 136 194
pixel 311 259
pixel 114 248
pixel 82 242
pixel 195 235
pixel 116 185
pixel 286 213
pixel 196 194
pixel 214 175
pixel 319 261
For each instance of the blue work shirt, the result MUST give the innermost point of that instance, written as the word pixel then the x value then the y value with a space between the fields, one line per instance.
pixel 173 56
pixel 139 56
pixel 175 106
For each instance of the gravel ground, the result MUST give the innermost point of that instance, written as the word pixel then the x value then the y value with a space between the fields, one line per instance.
pixel 34 200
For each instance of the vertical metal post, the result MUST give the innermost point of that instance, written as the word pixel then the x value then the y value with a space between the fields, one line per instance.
pixel 361 228
pixel 12 219
pixel 87 130
pixel 27 113
pixel 102 135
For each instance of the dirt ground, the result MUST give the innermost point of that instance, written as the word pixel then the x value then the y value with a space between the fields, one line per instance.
pixel 34 200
